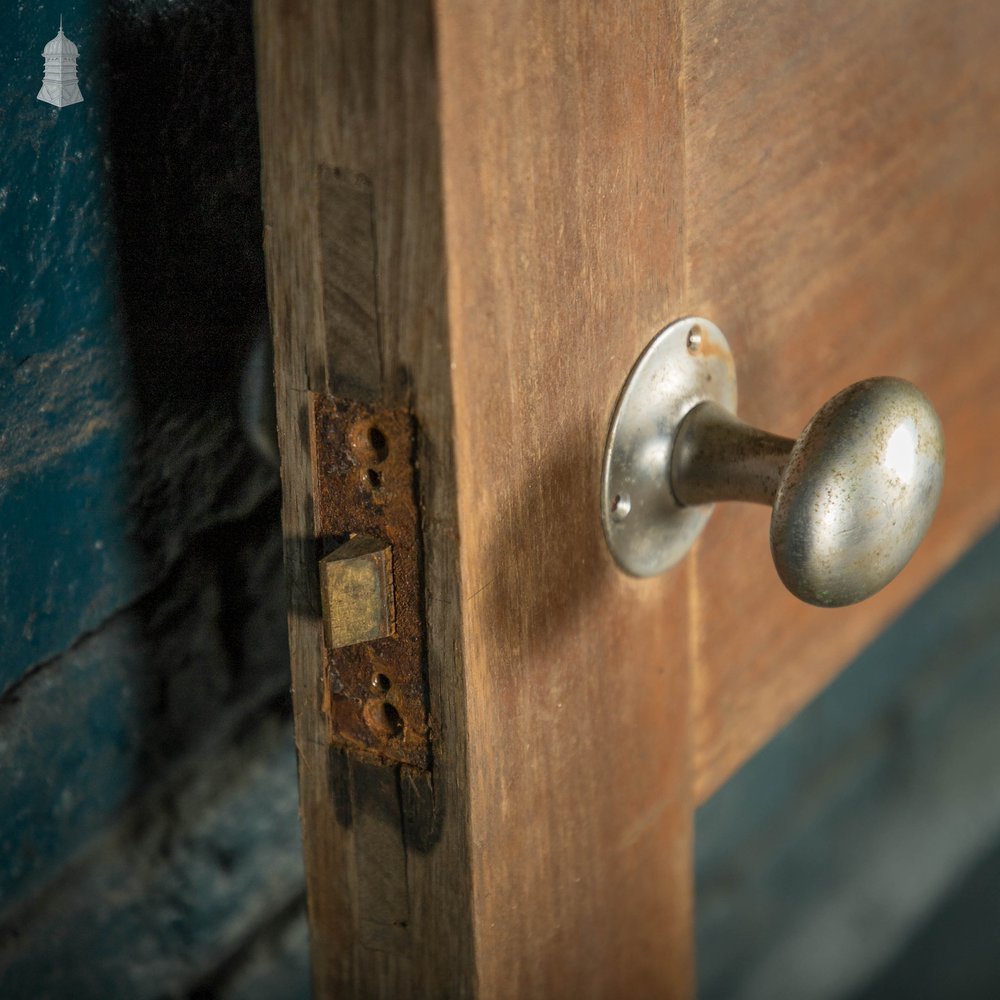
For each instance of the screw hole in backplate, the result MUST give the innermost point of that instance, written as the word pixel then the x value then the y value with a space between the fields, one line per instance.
pixel 393 720
pixel 620 506
pixel 383 718
pixel 379 444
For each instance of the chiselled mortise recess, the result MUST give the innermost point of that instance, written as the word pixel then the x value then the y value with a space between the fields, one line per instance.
pixel 852 497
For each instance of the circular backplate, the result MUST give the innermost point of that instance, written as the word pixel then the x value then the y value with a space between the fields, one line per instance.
pixel 687 363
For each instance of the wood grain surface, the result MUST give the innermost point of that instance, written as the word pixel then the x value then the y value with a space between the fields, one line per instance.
pixel 557 855
pixel 842 220
pixel 562 160
pixel 347 97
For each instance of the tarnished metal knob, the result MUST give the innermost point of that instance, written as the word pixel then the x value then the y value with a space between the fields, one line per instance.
pixel 852 497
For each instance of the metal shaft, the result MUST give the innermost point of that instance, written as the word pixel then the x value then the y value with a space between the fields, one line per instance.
pixel 718 457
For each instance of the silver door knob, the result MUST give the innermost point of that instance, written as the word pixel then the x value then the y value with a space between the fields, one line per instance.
pixel 852 497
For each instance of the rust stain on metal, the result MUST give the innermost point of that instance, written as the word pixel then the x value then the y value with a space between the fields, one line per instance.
pixel 375 692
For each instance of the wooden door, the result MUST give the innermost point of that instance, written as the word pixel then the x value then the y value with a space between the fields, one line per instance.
pixel 477 214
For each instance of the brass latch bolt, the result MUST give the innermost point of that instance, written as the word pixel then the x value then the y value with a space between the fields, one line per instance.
pixel 356 588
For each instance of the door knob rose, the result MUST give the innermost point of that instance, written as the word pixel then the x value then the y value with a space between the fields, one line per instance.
pixel 851 497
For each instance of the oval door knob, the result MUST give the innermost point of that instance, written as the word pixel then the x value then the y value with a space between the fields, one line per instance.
pixel 852 497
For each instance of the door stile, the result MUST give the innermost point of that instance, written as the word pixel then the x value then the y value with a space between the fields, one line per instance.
pixel 521 166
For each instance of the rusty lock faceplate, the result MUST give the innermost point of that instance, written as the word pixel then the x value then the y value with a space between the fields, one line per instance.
pixel 366 518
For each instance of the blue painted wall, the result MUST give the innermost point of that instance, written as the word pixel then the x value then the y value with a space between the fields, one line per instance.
pixel 67 561
pixel 864 839
pixel 148 810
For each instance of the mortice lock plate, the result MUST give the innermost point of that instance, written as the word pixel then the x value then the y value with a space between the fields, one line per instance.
pixel 366 520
